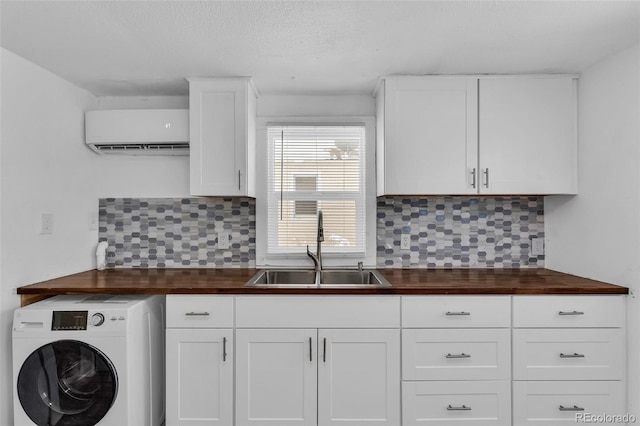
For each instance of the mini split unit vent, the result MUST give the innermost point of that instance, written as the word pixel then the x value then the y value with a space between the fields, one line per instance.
pixel 138 131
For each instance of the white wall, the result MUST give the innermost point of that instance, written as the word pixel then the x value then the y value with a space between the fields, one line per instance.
pixel 46 168
pixel 596 234
pixel 4 357
pixel 315 105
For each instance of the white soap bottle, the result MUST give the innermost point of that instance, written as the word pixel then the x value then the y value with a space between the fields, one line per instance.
pixel 101 255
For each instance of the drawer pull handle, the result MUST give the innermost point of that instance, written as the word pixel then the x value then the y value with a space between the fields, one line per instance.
pixel 462 408
pixel 574 408
pixel 571 313
pixel 457 314
pixel 573 355
pixel 197 314
pixel 462 355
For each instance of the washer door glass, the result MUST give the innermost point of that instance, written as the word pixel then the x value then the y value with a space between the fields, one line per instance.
pixel 67 383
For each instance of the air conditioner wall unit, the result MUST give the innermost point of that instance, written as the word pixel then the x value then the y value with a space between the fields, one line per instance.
pixel 138 131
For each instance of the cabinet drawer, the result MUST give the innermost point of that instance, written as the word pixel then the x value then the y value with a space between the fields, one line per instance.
pixel 568 354
pixel 568 311
pixel 456 311
pixel 456 403
pixel 318 312
pixel 564 403
pixel 456 354
pixel 202 311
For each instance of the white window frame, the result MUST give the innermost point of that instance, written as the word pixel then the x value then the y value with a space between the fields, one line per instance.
pixel 301 260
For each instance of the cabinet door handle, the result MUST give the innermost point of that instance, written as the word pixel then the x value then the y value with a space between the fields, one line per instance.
pixel 461 408
pixel 453 356
pixel 473 178
pixel 570 313
pixel 457 314
pixel 239 180
pixel 574 408
pixel 224 349
pixel 324 349
pixel 573 355
pixel 486 177
pixel 197 314
pixel 310 351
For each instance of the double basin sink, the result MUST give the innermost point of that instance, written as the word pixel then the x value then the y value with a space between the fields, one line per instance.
pixel 329 278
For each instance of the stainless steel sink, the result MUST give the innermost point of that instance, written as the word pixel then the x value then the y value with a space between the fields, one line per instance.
pixel 329 278
pixel 283 278
pixel 345 277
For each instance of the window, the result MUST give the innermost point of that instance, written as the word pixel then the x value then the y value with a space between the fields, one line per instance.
pixel 313 168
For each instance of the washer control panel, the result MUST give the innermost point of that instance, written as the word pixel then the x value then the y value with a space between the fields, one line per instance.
pixel 83 320
pixel 69 320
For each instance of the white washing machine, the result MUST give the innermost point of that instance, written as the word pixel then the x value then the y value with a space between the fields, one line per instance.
pixel 89 360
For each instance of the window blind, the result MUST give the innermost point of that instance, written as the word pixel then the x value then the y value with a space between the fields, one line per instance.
pixel 312 168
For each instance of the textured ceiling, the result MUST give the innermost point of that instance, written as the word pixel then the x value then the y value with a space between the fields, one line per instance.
pixel 147 47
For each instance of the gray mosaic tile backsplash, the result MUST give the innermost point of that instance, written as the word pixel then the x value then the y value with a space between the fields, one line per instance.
pixel 174 232
pixel 482 232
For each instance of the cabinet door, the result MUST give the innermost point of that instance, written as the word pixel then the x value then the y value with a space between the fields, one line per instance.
pixel 359 377
pixel 222 136
pixel 430 135
pixel 276 377
pixel 199 384
pixel 527 135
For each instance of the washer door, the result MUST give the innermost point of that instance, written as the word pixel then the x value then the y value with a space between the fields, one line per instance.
pixel 67 383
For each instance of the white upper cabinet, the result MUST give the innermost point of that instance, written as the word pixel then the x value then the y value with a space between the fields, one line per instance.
pixel 222 115
pixel 476 135
pixel 528 142
pixel 427 135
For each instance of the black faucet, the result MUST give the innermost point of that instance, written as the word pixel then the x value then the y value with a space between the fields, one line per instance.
pixel 317 258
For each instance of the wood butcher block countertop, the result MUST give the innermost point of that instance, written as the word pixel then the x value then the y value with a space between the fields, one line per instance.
pixel 403 281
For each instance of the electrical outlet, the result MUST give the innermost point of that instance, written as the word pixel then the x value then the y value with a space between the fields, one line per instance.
pixel 223 240
pixel 93 221
pixel 46 223
pixel 537 246
pixel 405 242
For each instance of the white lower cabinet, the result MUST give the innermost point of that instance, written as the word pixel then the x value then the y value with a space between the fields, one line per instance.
pixel 568 359
pixel 473 403
pixel 568 354
pixel 199 384
pixel 394 361
pixel 456 354
pixel 358 377
pixel 456 360
pixel 317 377
pixel 276 377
